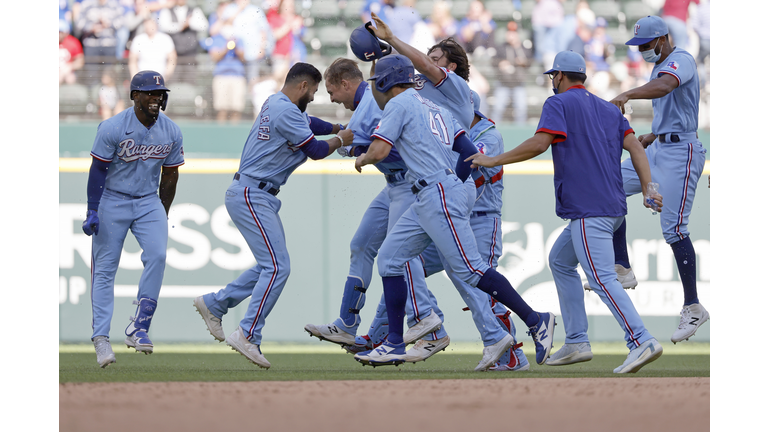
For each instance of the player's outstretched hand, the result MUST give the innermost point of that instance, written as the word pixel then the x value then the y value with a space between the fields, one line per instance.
pixel 346 136
pixel 646 139
pixel 657 200
pixel 91 223
pixel 619 101
pixel 381 30
pixel 359 163
pixel 479 159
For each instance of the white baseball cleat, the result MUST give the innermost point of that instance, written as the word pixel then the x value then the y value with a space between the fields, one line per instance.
pixel 424 349
pixel 384 354
pixel 571 353
pixel 104 353
pixel 213 323
pixel 647 352
pixel 330 333
pixel 492 353
pixel 691 318
pixel 139 341
pixel 625 275
pixel 422 328
pixel 250 350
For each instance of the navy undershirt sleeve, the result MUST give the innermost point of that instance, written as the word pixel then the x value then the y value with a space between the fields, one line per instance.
pixel 97 178
pixel 320 127
pixel 464 147
pixel 316 149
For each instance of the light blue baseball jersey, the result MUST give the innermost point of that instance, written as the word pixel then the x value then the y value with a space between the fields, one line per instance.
pixel 363 123
pixel 137 153
pixel 424 137
pixel 678 111
pixel 452 93
pixel 489 142
pixel 273 148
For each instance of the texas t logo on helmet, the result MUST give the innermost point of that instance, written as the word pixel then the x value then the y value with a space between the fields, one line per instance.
pixel 365 45
pixel 146 81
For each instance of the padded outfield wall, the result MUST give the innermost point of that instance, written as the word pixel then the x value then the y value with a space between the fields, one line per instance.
pixel 322 204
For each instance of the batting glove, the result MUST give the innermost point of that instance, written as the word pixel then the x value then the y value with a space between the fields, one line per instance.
pixel 345 151
pixel 91 223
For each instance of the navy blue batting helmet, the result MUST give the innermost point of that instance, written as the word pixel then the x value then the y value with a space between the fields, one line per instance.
pixel 365 45
pixel 146 81
pixel 391 70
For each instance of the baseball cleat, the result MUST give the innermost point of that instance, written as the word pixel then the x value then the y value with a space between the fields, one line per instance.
pixel 422 328
pixel 691 318
pixel 139 341
pixel 104 353
pixel 330 333
pixel 424 349
pixel 647 352
pixel 542 334
pixel 238 342
pixel 385 354
pixel 517 361
pixel 624 275
pixel 571 353
pixel 492 353
pixel 213 323
pixel 362 343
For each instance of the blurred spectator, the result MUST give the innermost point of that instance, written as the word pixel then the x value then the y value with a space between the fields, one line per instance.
pixel 374 6
pixel 146 8
pixel 404 20
pixel 123 34
pixel 597 52
pixel 701 26
pixel 480 85
pixel 580 40
pixel 282 29
pixel 252 29
pixel 71 56
pixel 441 22
pixel 298 49
pixel 512 61
pixel 584 14
pixel 99 22
pixel 110 102
pixel 546 18
pixel 65 13
pixel 476 29
pixel 152 50
pixel 182 23
pixel 675 14
pixel 215 23
pixel 229 82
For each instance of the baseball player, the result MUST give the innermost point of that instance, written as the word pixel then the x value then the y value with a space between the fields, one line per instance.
pixel 345 84
pixel 675 154
pixel 281 139
pixel 587 135
pixel 131 185
pixel 426 136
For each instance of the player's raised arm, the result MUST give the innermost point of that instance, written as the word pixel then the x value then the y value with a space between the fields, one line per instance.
pixel 420 60
pixel 529 149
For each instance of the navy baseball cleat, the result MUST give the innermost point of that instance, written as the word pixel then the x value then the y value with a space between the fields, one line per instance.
pixel 385 354
pixel 139 341
pixel 542 334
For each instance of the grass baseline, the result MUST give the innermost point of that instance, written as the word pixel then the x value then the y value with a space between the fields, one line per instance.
pixel 218 363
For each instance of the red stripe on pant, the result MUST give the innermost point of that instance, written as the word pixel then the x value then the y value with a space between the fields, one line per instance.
pixel 684 199
pixel 453 231
pixel 271 254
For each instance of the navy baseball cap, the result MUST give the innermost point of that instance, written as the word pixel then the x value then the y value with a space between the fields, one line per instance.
pixel 568 61
pixel 648 29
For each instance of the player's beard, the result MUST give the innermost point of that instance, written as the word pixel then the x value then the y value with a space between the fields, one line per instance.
pixel 303 102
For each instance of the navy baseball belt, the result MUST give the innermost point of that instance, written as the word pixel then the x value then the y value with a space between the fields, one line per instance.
pixel 249 181
pixel 420 184
pixel 484 214
pixel 123 194
pixel 394 178
pixel 673 138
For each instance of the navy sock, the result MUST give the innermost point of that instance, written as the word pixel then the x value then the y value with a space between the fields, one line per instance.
pixel 685 256
pixel 620 253
pixel 498 287
pixel 395 296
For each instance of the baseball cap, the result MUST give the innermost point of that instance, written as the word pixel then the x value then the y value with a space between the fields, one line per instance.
pixel 568 61
pixel 648 29
pixel 476 103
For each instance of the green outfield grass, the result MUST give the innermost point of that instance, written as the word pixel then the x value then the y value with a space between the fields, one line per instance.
pixel 305 362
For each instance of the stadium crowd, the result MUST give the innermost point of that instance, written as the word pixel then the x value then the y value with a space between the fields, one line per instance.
pixel 223 58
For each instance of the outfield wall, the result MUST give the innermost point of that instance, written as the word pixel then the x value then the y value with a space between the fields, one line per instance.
pixel 322 204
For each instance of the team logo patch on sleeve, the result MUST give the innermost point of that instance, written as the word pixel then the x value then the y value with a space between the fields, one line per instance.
pixel 672 65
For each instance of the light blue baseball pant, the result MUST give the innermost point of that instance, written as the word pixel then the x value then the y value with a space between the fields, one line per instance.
pixel 255 214
pixel 146 219
pixel 676 167
pixel 589 242
pixel 384 210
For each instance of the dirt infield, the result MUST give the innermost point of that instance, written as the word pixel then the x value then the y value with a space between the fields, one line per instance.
pixel 577 404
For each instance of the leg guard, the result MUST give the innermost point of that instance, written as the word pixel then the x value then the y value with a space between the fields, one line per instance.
pixel 145 310
pixel 352 301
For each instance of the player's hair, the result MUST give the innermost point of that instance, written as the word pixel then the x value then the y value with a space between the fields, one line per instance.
pixel 455 53
pixel 342 69
pixel 303 72
pixel 575 76
pixel 405 85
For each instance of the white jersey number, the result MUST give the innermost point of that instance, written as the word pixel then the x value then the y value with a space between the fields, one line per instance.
pixel 437 124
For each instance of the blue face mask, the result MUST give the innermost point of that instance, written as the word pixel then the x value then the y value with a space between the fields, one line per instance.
pixel 650 55
pixel 554 87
